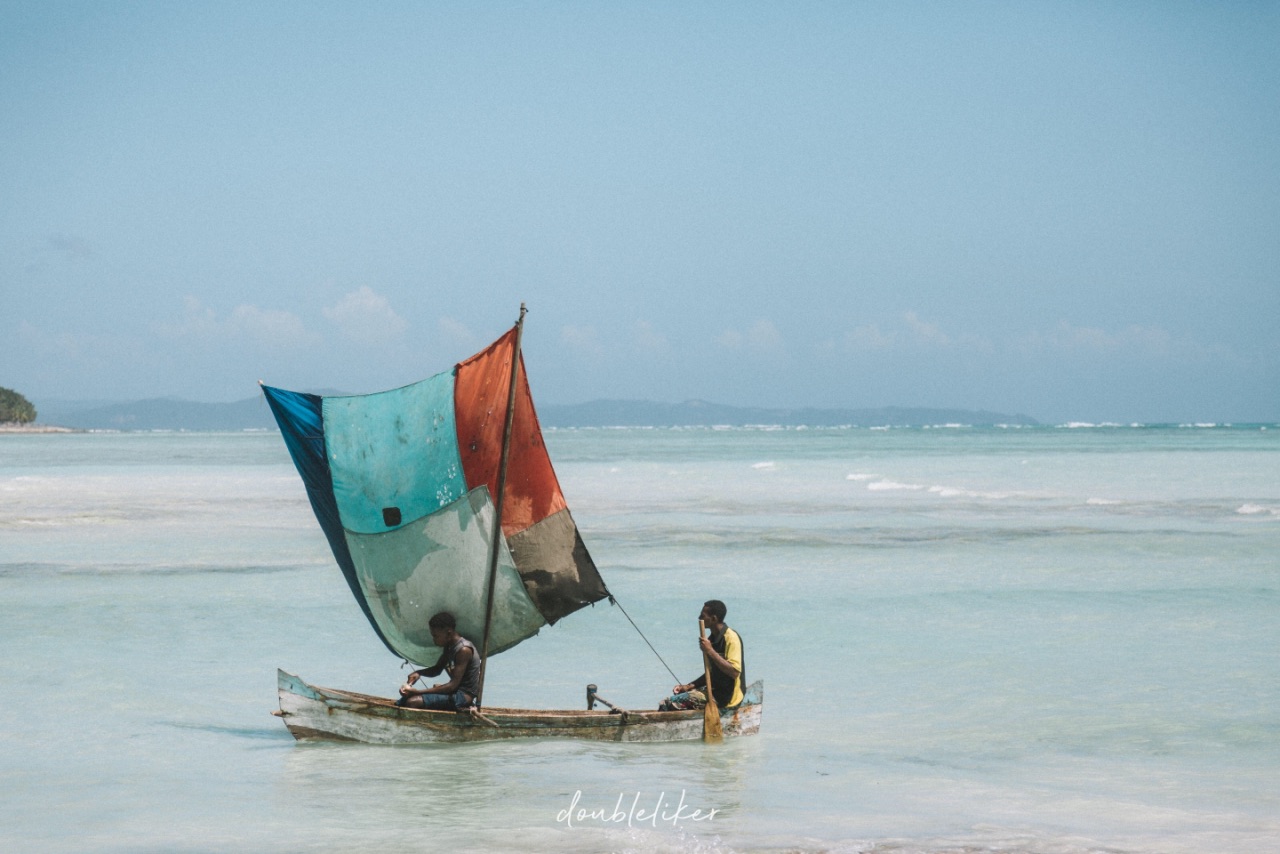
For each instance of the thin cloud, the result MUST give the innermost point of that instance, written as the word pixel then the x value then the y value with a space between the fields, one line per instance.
pixel 730 339
pixel 924 332
pixel 761 336
pixel 270 328
pixel 456 334
pixel 869 337
pixel 364 315
pixel 913 333
pixel 649 340
pixel 198 321
pixel 583 340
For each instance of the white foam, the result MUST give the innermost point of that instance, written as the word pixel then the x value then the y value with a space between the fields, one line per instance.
pixel 1257 510
pixel 957 492
pixel 1102 501
pixel 860 477
pixel 881 485
pixel 765 465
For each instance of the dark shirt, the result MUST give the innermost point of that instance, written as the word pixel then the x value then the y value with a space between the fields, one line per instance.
pixel 470 682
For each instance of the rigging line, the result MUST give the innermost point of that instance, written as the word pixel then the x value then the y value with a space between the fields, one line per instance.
pixel 614 601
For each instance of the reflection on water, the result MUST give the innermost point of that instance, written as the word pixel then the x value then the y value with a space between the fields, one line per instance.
pixel 470 795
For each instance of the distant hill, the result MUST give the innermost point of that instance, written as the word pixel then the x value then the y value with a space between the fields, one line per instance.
pixel 253 413
pixel 693 413
pixel 163 414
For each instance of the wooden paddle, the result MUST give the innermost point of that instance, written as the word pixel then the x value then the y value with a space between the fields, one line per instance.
pixel 711 731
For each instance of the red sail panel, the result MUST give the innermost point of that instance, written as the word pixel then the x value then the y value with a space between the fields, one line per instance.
pixel 480 410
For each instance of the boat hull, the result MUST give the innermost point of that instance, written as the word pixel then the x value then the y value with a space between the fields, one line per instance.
pixel 326 714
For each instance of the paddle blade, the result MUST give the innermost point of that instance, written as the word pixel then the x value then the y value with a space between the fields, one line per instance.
pixel 712 733
pixel 711 730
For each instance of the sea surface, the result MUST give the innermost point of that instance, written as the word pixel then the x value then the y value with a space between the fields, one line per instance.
pixel 1049 640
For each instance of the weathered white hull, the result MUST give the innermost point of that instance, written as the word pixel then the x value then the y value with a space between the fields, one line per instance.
pixel 328 714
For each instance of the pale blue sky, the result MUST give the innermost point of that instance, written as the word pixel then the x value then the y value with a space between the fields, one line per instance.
pixel 1070 210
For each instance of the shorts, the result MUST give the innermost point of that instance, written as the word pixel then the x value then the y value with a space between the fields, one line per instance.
pixel 683 701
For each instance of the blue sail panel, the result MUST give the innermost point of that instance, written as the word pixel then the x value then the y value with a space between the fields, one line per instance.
pixel 301 421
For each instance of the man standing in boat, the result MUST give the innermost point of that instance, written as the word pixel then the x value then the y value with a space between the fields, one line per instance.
pixel 459 659
pixel 723 651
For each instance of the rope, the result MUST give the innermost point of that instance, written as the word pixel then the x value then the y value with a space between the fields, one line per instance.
pixel 614 601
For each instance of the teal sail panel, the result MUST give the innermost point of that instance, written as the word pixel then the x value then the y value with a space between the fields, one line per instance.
pixel 393 455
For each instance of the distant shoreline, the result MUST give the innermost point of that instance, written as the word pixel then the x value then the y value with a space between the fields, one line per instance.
pixel 46 429
pixel 11 427
pixel 253 414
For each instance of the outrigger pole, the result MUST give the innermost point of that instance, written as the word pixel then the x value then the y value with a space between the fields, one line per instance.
pixel 496 542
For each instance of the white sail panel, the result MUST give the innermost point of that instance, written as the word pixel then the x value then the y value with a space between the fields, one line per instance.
pixel 440 563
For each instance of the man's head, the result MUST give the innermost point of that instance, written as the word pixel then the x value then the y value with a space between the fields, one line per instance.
pixel 442 626
pixel 713 611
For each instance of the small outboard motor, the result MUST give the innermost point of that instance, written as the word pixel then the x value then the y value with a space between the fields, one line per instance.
pixel 593 698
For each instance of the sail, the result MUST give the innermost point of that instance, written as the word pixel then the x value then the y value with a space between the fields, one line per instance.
pixel 403 483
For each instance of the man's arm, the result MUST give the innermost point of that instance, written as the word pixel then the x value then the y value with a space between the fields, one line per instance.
pixel 459 670
pixel 695 685
pixel 433 670
pixel 724 665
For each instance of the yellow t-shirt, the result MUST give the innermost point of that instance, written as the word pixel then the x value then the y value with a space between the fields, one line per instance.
pixel 733 655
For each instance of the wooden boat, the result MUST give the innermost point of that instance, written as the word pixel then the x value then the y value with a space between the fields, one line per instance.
pixel 432 501
pixel 313 713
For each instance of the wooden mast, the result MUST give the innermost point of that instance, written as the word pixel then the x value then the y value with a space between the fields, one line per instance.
pixel 496 542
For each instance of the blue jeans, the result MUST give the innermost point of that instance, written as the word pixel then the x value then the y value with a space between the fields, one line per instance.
pixel 455 702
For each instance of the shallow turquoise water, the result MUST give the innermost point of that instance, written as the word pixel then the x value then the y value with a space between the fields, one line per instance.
pixel 1045 640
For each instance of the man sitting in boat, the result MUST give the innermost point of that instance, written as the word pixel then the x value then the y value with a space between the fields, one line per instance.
pixel 724 652
pixel 459 659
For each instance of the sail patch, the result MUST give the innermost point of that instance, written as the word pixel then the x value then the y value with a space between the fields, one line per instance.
pixel 555 566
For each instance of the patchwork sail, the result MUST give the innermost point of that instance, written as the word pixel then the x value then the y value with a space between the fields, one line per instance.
pixel 404 484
